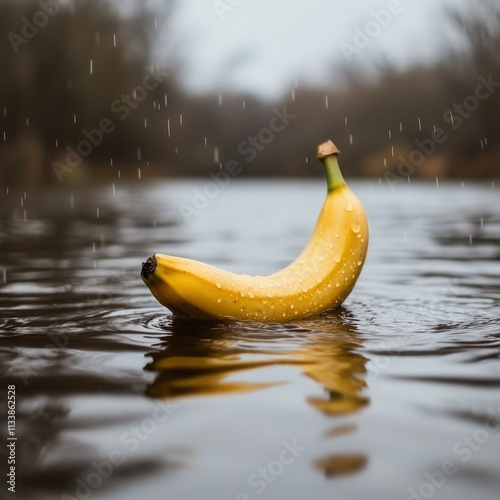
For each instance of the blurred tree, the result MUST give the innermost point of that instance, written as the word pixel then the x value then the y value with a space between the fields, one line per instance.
pixel 80 70
pixel 64 64
pixel 475 148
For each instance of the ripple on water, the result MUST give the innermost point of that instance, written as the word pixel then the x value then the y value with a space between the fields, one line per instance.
pixel 391 381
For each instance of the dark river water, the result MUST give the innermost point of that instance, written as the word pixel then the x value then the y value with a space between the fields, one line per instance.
pixel 394 396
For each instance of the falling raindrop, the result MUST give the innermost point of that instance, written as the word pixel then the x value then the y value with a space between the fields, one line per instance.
pixel 385 162
pixel 139 154
pixel 91 66
pixel 392 150
pixel 326 101
pixel 451 117
pixel 307 159
pixel 293 94
pixel 206 141
pixel 119 174
pixel 74 119
pixel 166 100
pixel 145 123
pixel 390 134
pixel 4 111
pixel 482 223
pixel 4 275
pixel 243 104
pixel 180 119
pixel 114 189
pixel 139 174
pixel 111 161
pixel 27 122
pixel 345 120
pixel 350 139
pixel 470 239
pixel 400 126
pixel 114 39
pixel 97 215
pixel 437 182
pixel 5 136
pixel 57 143
pixel 218 284
pixel 168 127
pixel 156 23
pixel 220 99
pixel 419 124
pixel 216 154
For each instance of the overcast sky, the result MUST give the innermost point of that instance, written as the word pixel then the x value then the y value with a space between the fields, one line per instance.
pixel 261 46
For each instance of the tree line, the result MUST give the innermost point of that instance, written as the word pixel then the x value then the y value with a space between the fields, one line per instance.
pixel 81 100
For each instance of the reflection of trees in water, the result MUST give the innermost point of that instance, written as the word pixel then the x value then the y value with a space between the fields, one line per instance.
pixel 50 460
pixel 47 86
pixel 205 358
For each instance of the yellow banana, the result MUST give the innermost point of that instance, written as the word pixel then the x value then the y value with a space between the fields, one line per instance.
pixel 319 279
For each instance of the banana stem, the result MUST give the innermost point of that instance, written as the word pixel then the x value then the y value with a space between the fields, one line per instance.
pixel 334 178
pixel 327 154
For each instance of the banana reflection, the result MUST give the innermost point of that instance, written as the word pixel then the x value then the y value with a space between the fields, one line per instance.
pixel 214 358
pixel 204 358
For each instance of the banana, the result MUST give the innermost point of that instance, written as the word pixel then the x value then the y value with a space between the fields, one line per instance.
pixel 319 279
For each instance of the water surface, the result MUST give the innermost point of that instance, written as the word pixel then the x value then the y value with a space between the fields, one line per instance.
pixel 394 396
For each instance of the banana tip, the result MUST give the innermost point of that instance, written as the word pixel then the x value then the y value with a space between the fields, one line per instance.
pixel 148 267
pixel 326 149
